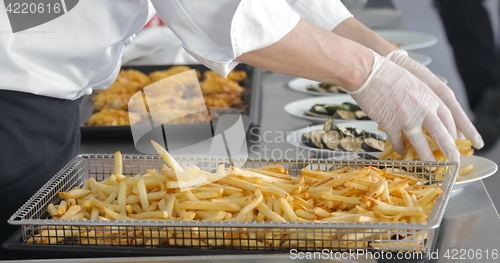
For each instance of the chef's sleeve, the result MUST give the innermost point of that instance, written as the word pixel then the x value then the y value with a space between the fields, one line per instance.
pixel 216 32
pixel 327 14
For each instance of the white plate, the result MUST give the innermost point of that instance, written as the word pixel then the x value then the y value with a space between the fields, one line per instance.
pixel 300 85
pixel 377 17
pixel 422 58
pixel 483 168
pixel 294 138
pixel 409 40
pixel 297 108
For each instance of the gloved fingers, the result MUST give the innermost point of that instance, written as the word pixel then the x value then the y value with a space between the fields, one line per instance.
pixel 463 123
pixel 460 135
pixel 416 68
pixel 448 121
pixel 396 139
pixel 471 133
pixel 419 142
pixel 398 56
pixel 442 137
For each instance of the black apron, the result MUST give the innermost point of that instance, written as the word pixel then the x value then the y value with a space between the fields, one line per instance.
pixel 38 136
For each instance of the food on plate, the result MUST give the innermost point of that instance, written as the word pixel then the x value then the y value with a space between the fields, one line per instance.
pixel 326 88
pixel 227 193
pixel 344 111
pixel 181 104
pixel 336 137
pixel 464 147
pixel 113 117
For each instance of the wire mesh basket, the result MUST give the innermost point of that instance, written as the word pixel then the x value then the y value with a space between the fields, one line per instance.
pixel 35 222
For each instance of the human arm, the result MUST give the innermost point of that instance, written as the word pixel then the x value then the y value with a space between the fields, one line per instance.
pixel 280 41
pixel 354 30
pixel 389 94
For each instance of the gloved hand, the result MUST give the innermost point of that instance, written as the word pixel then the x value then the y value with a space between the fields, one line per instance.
pixel 464 125
pixel 399 102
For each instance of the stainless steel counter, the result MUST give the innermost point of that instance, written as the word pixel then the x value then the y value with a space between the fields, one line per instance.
pixel 471 223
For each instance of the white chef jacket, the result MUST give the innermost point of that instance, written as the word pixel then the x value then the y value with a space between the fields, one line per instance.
pixel 81 50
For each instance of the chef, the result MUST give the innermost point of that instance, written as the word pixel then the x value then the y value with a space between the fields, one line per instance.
pixel 44 69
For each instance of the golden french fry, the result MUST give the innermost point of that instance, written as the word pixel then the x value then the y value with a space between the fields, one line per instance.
pixel 143 195
pixel 72 210
pixel 343 199
pixel 265 210
pixel 157 175
pixel 169 160
pixel 114 215
pixel 248 208
pixel 466 170
pixel 52 210
pixel 150 215
pixel 118 162
pixel 274 168
pixel 210 206
pixel 122 198
pixel 74 194
pixel 287 209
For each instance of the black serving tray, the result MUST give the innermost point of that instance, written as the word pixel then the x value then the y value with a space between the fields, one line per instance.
pixel 252 100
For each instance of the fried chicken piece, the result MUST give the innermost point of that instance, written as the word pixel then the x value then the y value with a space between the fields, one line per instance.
pixel 115 96
pixel 113 117
pixel 235 75
pixel 219 84
pixel 222 100
pixel 158 75
pixel 132 75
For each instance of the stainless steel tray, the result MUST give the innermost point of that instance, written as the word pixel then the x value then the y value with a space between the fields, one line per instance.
pixel 259 236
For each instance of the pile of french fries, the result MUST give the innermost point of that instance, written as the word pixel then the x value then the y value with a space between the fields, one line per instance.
pixel 464 147
pixel 265 194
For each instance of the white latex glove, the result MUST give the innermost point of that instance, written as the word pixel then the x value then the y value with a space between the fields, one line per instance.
pixel 464 125
pixel 399 102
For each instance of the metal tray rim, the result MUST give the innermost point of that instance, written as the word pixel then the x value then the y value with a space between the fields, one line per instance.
pixel 433 221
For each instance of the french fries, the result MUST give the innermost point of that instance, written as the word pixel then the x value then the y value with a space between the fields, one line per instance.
pixel 270 194
pixel 463 146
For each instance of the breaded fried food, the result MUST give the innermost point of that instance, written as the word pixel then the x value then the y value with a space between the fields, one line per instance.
pixel 222 100
pixel 235 75
pixel 113 117
pixel 115 96
pixel 132 75
pixel 219 84
pixel 159 75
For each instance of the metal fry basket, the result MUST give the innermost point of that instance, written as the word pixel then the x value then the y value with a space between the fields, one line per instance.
pixel 251 236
